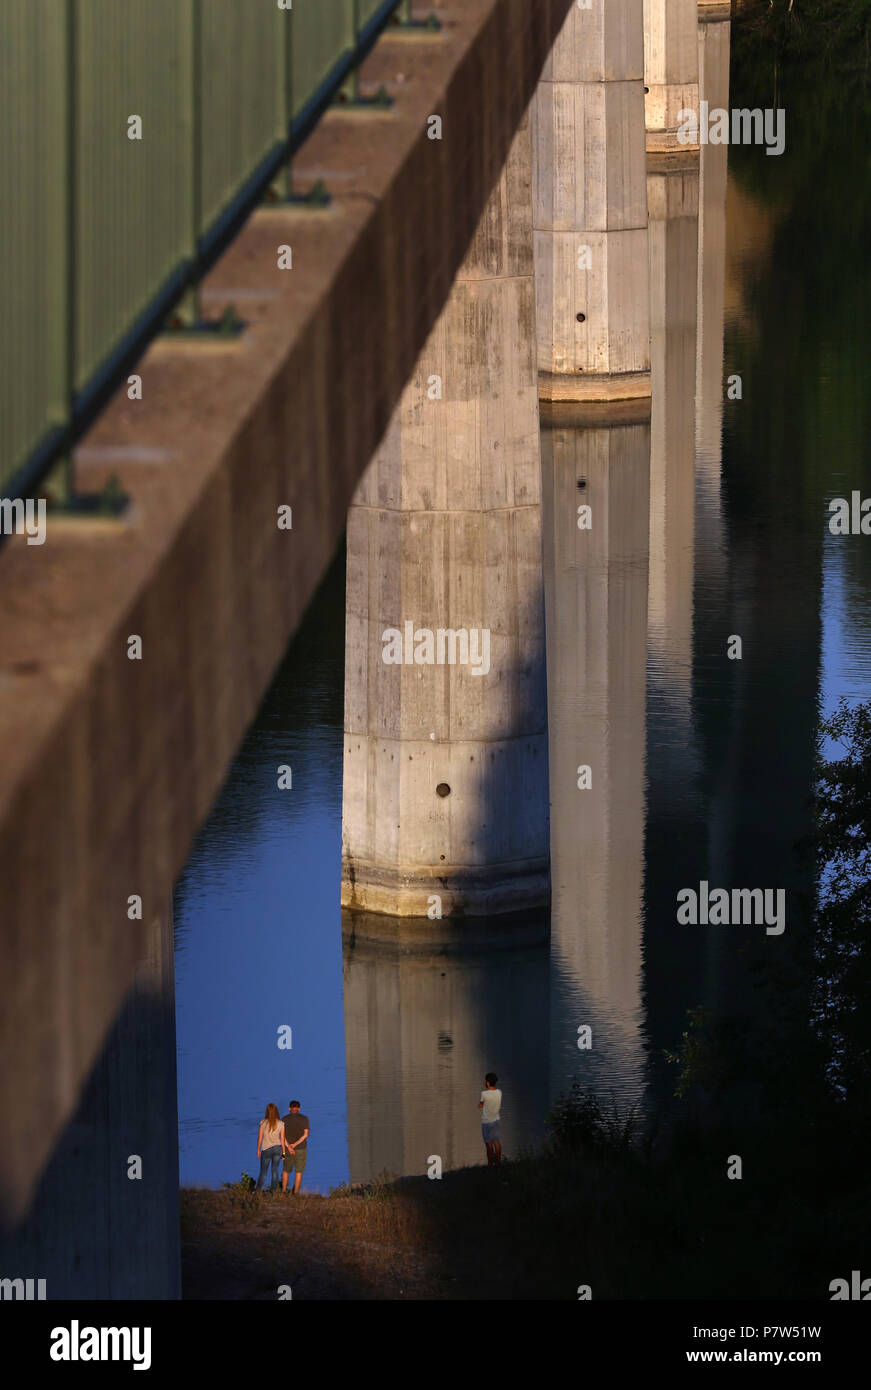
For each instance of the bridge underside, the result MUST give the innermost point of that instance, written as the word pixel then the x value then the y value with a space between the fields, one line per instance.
pixel 110 765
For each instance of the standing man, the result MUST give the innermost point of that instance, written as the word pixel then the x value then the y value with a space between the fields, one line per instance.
pixel 295 1134
pixel 490 1106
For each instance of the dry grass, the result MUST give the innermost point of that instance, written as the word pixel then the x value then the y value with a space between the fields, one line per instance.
pixel 630 1226
pixel 370 1243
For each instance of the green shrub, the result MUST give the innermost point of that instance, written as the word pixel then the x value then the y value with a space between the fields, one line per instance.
pixel 578 1122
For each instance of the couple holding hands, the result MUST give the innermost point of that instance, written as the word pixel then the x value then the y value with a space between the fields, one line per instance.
pixel 282 1138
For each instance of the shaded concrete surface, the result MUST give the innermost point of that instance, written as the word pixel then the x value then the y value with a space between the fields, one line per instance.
pixel 714 42
pixel 711 559
pixel 445 765
pixel 108 765
pixel 93 1230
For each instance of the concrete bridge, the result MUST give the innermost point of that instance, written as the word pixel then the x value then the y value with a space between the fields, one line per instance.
pixel 499 250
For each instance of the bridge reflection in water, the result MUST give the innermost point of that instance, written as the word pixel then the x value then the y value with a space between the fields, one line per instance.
pixel 596 587
pixel 423 1024
pixel 430 1006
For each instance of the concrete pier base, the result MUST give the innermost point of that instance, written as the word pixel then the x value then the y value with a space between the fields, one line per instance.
pixel 671 72
pixel 590 209
pixel 445 774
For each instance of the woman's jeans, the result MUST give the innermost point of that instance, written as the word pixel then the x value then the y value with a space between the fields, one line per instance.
pixel 271 1155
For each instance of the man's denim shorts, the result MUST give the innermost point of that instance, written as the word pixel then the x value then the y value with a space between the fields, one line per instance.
pixel 490 1132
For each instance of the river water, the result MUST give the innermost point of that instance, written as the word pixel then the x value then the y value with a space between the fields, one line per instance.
pixel 717 512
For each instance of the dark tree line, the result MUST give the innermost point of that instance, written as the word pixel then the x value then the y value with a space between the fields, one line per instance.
pixel 842 988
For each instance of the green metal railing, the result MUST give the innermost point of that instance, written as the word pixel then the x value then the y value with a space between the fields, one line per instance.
pixel 103 236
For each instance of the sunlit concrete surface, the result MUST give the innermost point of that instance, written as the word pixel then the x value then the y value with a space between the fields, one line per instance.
pixel 109 765
pixel 590 209
pixel 671 72
pixel 445 770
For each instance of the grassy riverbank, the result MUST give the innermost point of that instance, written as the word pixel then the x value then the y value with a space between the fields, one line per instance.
pixel 753 1182
pixel 630 1226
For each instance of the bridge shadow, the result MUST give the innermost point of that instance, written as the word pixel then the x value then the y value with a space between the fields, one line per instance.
pixel 104 1220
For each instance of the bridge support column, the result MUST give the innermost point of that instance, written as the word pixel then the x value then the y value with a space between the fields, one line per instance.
pixel 590 209
pixel 714 43
pixel 671 72
pixel 104 1221
pixel 712 561
pixel 445 772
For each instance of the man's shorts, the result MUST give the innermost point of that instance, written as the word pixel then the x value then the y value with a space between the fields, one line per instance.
pixel 490 1132
pixel 296 1160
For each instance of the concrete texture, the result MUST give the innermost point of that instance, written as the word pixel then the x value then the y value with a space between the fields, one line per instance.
pixel 714 12
pixel 444 533
pixel 590 209
pixel 712 552
pixel 93 1230
pixel 671 71
pixel 109 765
pixel 714 42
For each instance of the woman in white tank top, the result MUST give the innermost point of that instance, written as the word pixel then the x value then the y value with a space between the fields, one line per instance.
pixel 270 1146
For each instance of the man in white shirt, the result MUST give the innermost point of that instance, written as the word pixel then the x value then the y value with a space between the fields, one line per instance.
pixel 490 1106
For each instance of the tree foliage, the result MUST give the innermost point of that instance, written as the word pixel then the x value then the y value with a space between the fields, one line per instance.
pixel 843 916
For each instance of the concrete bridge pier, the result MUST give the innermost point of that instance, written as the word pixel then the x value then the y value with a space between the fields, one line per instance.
pixel 714 42
pixel 712 561
pixel 445 807
pixel 671 72
pixel 103 1223
pixel 590 208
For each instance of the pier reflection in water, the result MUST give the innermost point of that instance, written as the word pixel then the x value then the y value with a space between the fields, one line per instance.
pixel 596 596
pixel 424 1021
pixel 707 521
